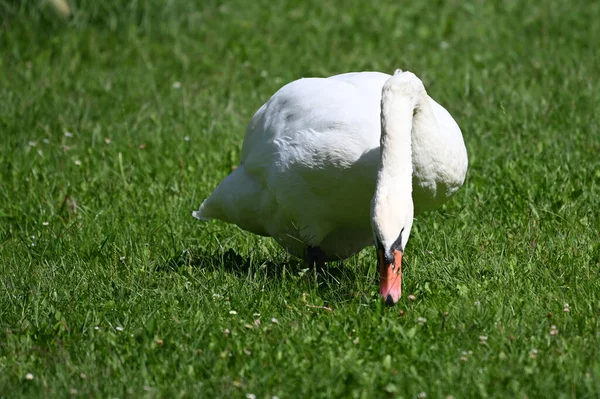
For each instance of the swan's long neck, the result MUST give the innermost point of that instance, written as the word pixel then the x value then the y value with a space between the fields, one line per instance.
pixel 392 206
pixel 395 166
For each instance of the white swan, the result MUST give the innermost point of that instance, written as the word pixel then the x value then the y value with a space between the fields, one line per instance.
pixel 322 149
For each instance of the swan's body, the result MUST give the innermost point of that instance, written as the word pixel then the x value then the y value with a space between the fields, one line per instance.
pixel 311 159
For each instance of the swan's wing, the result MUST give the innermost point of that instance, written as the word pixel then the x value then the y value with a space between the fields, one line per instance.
pixel 346 106
pixel 314 146
pixel 296 150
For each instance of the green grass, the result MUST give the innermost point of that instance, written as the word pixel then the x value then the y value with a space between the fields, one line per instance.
pixel 109 288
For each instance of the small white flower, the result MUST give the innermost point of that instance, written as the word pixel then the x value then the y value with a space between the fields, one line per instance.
pixel 96 328
pixel 483 339
pixel 553 331
pixel 421 320
pixel 566 308
pixel 256 314
pixel 68 134
pixel 32 143
pixel 250 396
pixel 45 223
pixel 119 328
pixel 107 140
pixel 187 138
pixel 274 321
pixel 217 296
pixel 422 395
pixel 411 297
pixel 77 162
pixel 122 258
pixel 29 376
pixel 533 353
pixel 226 331
pixel 232 312
pixel 177 85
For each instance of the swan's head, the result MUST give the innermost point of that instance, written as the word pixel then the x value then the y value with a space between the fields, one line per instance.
pixel 391 220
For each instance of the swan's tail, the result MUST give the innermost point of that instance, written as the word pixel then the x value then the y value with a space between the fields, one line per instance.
pixel 214 207
pixel 202 213
pixel 238 199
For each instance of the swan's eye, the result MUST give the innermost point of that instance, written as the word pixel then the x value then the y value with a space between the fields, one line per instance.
pixel 397 245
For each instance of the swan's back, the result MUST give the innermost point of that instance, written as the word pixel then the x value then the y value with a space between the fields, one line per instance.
pixel 345 106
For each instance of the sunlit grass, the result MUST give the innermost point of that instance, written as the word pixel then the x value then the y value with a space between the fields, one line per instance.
pixel 118 122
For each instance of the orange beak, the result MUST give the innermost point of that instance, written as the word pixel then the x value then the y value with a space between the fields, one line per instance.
pixel 390 286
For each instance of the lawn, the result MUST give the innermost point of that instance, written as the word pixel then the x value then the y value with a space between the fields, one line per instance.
pixel 119 121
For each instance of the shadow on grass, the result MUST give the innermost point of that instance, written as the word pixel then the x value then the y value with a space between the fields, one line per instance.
pixel 229 261
pixel 333 281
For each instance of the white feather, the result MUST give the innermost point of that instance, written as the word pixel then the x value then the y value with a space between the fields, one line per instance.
pixel 310 160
